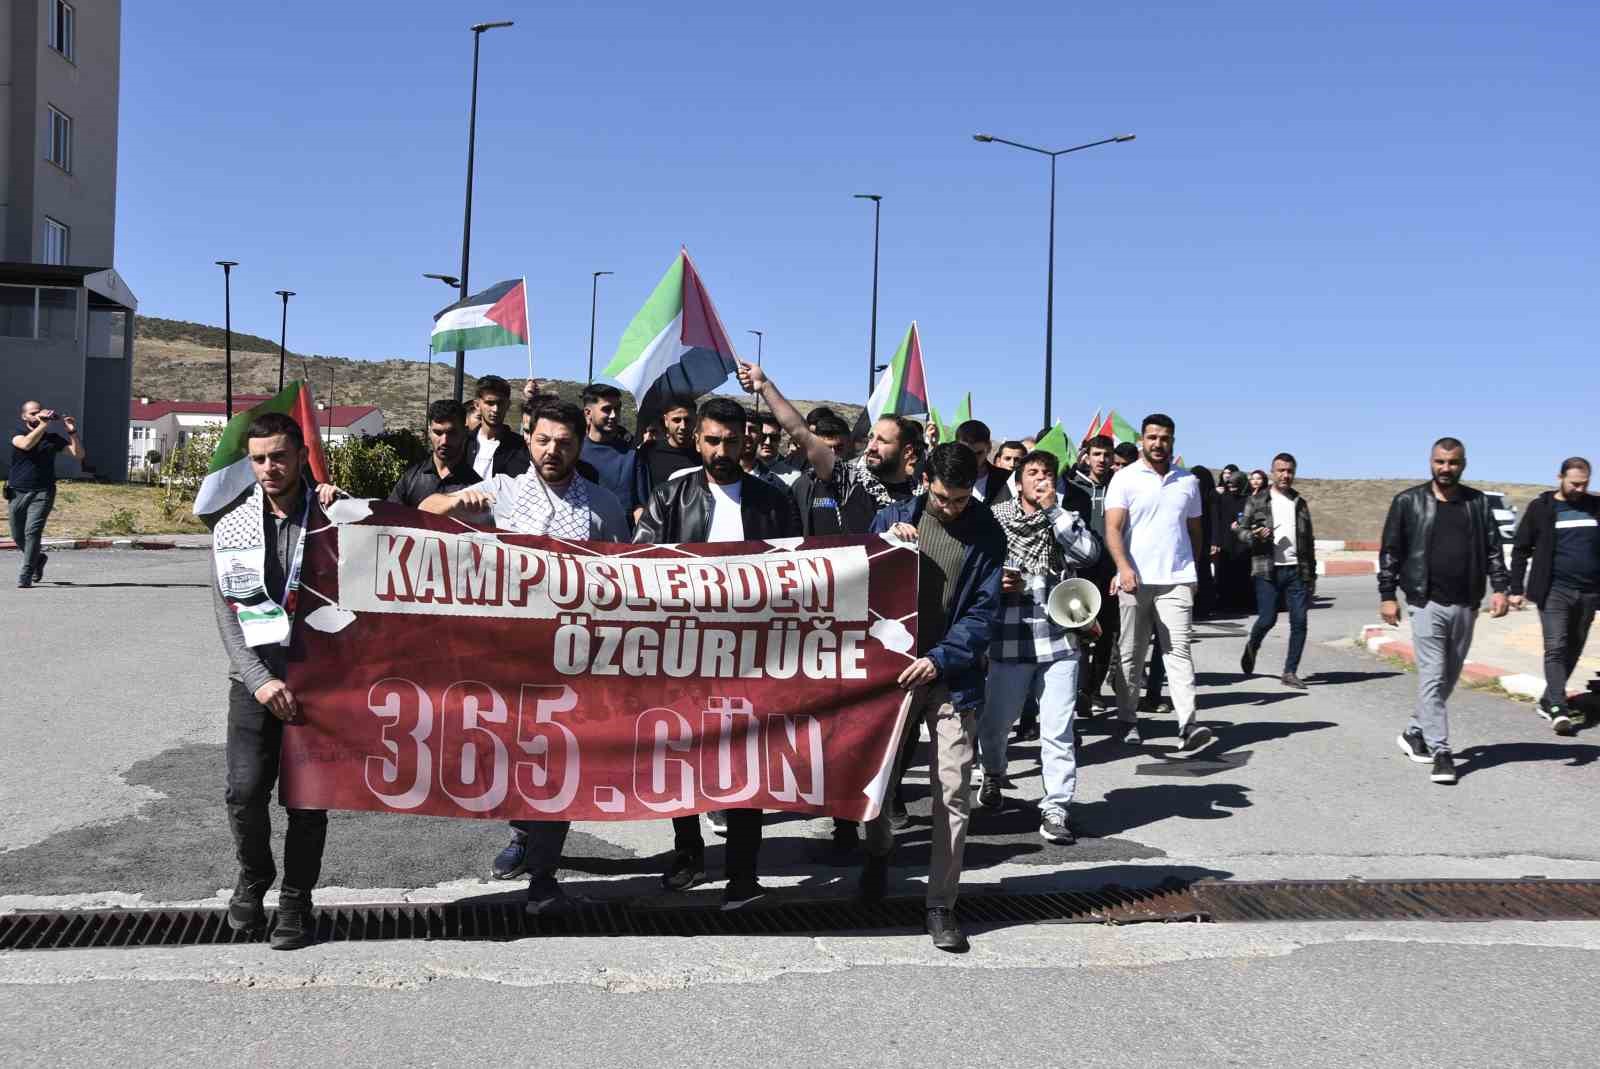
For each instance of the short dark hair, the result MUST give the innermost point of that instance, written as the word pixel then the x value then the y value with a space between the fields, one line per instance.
pixel 1012 444
pixel 752 418
pixel 819 413
pixel 1127 451
pixel 767 419
pixel 724 410
pixel 601 391
pixel 1051 462
pixel 491 384
pixel 973 430
pixel 1574 462
pixel 272 424
pixel 565 413
pixel 1293 463
pixel 954 465
pixel 1448 444
pixel 447 410
pixel 677 402
pixel 1158 419
pixel 1100 441
pixel 829 425
pixel 909 432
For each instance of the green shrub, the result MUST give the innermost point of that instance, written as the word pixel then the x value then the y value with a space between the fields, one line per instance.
pixel 365 467
pixel 184 469
pixel 120 522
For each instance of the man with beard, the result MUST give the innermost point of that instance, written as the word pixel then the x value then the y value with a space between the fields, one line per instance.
pixel 844 497
pixel 549 499
pixel 445 468
pixel 31 485
pixel 1085 492
pixel 718 503
pixel 1153 530
pixel 676 451
pixel 494 448
pixel 1283 563
pixel 617 465
pixel 1441 545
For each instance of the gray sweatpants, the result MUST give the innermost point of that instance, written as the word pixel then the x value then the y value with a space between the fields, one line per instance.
pixel 1440 636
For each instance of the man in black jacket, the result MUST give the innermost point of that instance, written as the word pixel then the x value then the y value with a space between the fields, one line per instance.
pixel 445 469
pixel 718 503
pixel 494 448
pixel 1561 532
pixel 1441 546
pixel 1276 526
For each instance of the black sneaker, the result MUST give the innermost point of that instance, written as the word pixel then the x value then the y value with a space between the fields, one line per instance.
pixel 24 581
pixel 513 860
pixel 1561 721
pixel 899 819
pixel 1545 709
pixel 38 567
pixel 1055 829
pixel 874 880
pixel 545 896
pixel 946 933
pixel 1247 659
pixel 1444 767
pixel 688 868
pixel 718 821
pixel 245 912
pixel 1197 738
pixel 1293 682
pixel 1128 733
pixel 989 796
pixel 1413 746
pixel 1028 731
pixel 295 928
pixel 741 892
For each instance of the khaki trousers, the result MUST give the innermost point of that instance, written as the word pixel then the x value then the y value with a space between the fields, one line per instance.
pixel 1167 609
pixel 952 733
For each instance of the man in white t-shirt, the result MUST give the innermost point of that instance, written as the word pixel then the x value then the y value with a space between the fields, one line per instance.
pixel 1153 512
pixel 550 499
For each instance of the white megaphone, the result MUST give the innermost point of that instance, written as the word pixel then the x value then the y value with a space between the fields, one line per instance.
pixel 1073 604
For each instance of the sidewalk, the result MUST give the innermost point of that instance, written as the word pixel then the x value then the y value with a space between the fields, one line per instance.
pixel 166 541
pixel 1508 652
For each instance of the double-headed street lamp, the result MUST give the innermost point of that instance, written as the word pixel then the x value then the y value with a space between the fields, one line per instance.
pixel 453 282
pixel 1050 277
pixel 872 350
pixel 594 297
pixel 283 333
pixel 466 222
pixel 227 334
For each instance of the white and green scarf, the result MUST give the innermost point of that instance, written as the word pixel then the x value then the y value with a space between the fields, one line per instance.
pixel 239 547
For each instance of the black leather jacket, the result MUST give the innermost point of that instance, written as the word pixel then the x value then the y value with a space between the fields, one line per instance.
pixel 680 511
pixel 1403 553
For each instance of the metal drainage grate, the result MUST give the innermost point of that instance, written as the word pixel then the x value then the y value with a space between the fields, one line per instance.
pixel 1389 900
pixel 505 920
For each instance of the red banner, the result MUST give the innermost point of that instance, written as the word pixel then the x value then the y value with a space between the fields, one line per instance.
pixel 449 671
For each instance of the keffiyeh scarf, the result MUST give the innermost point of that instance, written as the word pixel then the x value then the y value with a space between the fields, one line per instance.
pixel 857 474
pixel 1031 539
pixel 239 547
pixel 561 513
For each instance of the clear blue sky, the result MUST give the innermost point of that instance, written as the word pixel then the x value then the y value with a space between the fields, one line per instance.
pixel 1344 229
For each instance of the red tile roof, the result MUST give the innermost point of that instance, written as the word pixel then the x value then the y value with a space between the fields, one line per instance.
pixel 337 416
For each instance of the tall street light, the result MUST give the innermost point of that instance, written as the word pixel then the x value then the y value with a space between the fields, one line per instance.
pixel 466 222
pixel 227 334
pixel 1050 276
pixel 872 351
pixel 594 297
pixel 451 281
pixel 283 333
pixel 759 335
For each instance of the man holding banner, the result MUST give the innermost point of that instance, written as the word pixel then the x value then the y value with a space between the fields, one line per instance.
pixel 549 499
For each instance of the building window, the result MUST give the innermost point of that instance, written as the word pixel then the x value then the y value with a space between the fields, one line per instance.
pixel 56 242
pixel 64 29
pixel 58 313
pixel 17 306
pixel 107 327
pixel 61 140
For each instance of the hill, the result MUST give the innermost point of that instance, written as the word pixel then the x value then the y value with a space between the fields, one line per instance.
pixel 175 360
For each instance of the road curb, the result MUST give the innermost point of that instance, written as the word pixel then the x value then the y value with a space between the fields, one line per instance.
pixel 1347 567
pixel 1381 640
pixel 51 545
pixel 1335 545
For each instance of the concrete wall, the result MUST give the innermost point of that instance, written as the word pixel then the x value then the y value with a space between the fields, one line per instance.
pixel 50 371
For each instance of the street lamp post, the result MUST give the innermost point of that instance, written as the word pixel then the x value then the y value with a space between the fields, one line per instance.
pixel 872 350
pixel 1050 271
pixel 427 398
pixel 466 221
pixel 227 334
pixel 759 336
pixel 283 334
pixel 594 297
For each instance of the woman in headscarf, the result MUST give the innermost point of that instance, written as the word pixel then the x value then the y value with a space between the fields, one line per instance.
pixel 1235 593
pixel 1205 585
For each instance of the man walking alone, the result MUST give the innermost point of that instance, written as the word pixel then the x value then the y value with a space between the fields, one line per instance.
pixel 1441 546
pixel 1283 565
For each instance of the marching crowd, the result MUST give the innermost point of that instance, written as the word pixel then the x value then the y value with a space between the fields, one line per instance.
pixel 996 527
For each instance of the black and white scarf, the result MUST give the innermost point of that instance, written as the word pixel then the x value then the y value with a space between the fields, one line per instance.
pixel 1031 539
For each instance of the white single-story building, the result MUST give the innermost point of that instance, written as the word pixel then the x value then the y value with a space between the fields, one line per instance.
pixel 162 426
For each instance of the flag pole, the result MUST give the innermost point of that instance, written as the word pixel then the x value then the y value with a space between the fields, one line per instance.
pixel 527 321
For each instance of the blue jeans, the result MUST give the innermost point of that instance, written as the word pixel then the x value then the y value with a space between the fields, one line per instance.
pixel 1285 583
pixel 1055 685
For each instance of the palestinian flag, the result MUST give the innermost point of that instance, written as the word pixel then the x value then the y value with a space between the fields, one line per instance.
pixel 230 474
pixel 903 388
pixel 1094 426
pixel 496 317
pixel 1116 428
pixel 676 345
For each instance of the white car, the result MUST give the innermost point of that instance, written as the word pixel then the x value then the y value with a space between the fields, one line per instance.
pixel 1505 514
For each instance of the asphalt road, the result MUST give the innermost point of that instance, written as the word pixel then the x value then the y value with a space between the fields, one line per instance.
pixel 111 701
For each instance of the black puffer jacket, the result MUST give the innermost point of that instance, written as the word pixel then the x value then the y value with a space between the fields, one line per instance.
pixel 1403 553
pixel 680 511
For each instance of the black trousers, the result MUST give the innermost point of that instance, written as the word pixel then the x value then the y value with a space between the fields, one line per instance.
pixel 744 840
pixel 1565 618
pixel 254 739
